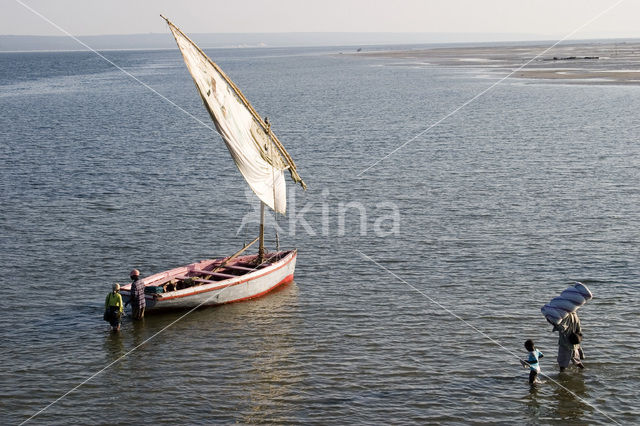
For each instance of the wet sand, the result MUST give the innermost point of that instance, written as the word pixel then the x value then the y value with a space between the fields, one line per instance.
pixel 593 63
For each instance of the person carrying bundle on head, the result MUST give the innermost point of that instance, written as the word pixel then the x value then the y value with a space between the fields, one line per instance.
pixel 561 313
pixel 570 336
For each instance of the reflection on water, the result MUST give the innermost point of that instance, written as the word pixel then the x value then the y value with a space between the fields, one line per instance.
pixel 113 346
pixel 138 331
pixel 275 383
pixel 559 397
pixel 534 408
pixel 570 405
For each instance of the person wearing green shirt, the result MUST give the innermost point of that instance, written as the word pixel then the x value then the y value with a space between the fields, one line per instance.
pixel 113 308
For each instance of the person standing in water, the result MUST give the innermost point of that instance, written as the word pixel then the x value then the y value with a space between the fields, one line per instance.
pixel 570 336
pixel 113 307
pixel 532 361
pixel 137 301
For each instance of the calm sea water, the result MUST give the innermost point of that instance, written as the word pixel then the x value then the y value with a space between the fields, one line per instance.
pixel 499 208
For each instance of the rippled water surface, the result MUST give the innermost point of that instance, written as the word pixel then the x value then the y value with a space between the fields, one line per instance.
pixel 499 208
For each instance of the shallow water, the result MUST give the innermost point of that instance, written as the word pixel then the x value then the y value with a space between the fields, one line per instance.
pixel 501 206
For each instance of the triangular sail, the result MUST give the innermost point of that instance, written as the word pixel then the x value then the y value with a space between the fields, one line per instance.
pixel 257 152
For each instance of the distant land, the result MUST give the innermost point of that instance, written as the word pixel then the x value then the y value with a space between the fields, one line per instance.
pixel 596 62
pixel 15 43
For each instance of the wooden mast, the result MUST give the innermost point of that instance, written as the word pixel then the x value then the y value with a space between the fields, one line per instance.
pixel 261 246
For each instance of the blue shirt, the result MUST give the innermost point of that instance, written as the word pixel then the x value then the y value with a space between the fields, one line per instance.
pixel 533 359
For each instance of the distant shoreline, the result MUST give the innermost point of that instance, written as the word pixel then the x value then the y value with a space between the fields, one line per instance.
pixel 153 41
pixel 603 62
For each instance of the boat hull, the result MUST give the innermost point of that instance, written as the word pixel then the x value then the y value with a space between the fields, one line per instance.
pixel 247 286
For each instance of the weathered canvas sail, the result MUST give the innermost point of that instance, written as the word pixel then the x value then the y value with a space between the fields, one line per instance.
pixel 257 152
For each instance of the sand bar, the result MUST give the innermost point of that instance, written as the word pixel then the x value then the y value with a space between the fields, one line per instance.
pixel 592 63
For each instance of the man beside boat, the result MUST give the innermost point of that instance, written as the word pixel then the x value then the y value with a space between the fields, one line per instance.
pixel 137 295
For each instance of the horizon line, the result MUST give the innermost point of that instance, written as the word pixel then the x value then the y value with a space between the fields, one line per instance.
pixel 328 32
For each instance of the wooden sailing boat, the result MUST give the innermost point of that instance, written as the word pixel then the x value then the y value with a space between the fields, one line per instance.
pixel 262 159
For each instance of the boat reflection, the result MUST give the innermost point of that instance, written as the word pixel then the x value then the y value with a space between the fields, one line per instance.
pixel 247 349
pixel 274 377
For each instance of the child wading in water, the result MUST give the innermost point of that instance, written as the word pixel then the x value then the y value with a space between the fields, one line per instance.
pixel 532 361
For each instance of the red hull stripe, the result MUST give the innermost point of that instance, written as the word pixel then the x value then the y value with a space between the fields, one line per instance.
pixel 295 254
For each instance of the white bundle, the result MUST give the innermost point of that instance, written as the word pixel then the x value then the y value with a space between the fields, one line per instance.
pixel 568 301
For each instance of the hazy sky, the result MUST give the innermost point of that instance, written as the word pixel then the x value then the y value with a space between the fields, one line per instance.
pixel 553 18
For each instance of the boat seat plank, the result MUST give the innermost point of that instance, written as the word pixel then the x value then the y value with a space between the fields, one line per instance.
pixel 221 275
pixel 200 272
pixel 216 274
pixel 203 281
pixel 240 268
pixel 213 274
pixel 253 267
